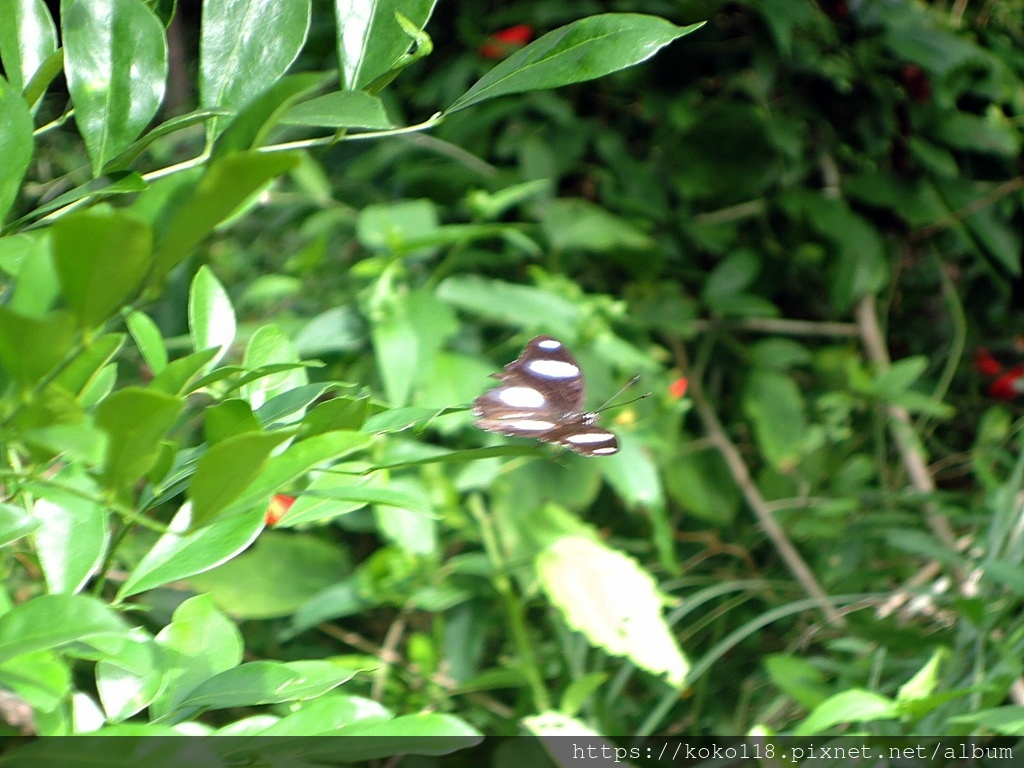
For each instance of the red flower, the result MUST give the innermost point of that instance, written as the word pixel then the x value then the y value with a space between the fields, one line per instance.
pixel 278 508
pixel 678 387
pixel 985 364
pixel 502 43
pixel 1008 386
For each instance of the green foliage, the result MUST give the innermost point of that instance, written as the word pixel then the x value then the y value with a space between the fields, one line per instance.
pixel 286 298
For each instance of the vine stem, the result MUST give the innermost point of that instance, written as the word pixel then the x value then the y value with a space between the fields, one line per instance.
pixel 513 605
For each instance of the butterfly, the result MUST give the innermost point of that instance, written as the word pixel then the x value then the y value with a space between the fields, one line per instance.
pixel 542 395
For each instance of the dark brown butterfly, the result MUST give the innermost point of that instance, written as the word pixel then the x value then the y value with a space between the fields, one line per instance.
pixel 541 395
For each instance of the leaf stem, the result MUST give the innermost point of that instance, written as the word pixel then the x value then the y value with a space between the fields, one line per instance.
pixel 513 606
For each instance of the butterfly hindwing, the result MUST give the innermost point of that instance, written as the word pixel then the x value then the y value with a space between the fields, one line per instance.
pixel 541 395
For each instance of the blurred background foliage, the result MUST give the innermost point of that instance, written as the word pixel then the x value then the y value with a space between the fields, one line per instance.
pixel 807 213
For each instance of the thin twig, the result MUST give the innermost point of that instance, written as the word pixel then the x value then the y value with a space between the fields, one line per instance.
pixel 780 326
pixel 741 476
pixel 989 198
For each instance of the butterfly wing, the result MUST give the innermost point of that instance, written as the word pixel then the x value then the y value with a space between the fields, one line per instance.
pixel 541 395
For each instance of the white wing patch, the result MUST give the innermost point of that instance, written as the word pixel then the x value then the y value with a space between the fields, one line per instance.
pixel 521 397
pixel 553 369
pixel 527 425
pixel 585 438
pixel 549 344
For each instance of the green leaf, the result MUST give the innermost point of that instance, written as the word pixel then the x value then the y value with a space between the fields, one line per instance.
pixel 797 678
pixel 616 604
pixel 298 459
pixel 199 643
pixel 245 47
pixel 580 690
pixel 180 375
pixel 15 142
pixel 73 534
pixel 87 366
pixel 249 128
pixel 177 555
pixel 370 38
pixel 366 494
pixel 102 258
pixel 852 706
pixel 229 418
pixel 226 470
pixel 773 402
pixel 54 621
pixel 211 318
pixel 224 185
pixel 41 679
pixel 115 60
pixel 27 38
pixel 326 714
pixel 1006 721
pixel 584 50
pixel 576 224
pixel 926 680
pixel 267 347
pixel 149 340
pixel 393 226
pixel 519 306
pixel 341 109
pixel 263 682
pixel 135 421
pixel 129 681
pixel 15 523
pixel 173 125
pixel 31 347
pixel 275 577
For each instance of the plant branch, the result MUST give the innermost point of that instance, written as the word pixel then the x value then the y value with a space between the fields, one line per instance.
pixel 741 476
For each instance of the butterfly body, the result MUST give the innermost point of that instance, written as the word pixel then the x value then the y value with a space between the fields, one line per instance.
pixel 542 395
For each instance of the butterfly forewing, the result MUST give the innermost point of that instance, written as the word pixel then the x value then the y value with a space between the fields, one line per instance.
pixel 541 395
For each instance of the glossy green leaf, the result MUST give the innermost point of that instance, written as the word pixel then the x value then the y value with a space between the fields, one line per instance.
pixel 368 494
pixel 16 144
pixel 94 189
pixel 173 125
pixel 370 38
pixel 15 523
pixel 148 339
pixel 102 258
pixel 586 49
pixel 290 406
pixel 84 369
pixel 178 555
pixel 392 226
pixel 129 681
pixel 245 47
pixel 199 643
pixel 227 419
pixel 42 679
pixel 341 109
pixel 311 508
pixel 224 186
pixel 53 621
pixel 283 469
pixel 851 706
pixel 226 470
pixel 249 127
pixel 135 421
pixel 614 602
pixel 264 682
pixel 268 346
pixel 27 37
pixel 327 713
pixel 412 529
pixel 49 68
pixel 211 318
pixel 275 577
pixel 116 65
pixel 73 534
pixel 31 347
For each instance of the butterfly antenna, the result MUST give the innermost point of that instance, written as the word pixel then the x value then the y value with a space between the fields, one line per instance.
pixel 629 384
